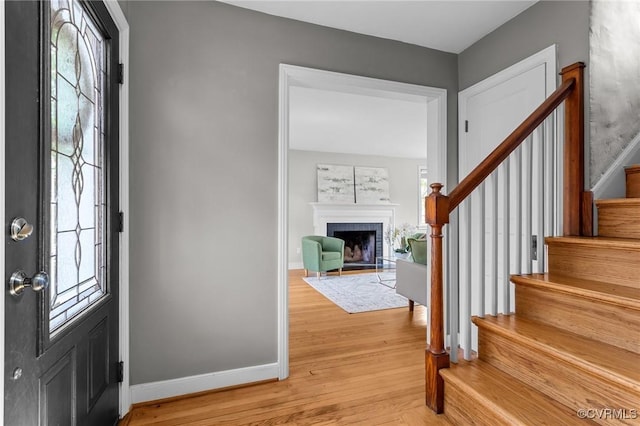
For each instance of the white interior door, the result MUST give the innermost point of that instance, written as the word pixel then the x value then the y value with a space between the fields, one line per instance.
pixel 515 193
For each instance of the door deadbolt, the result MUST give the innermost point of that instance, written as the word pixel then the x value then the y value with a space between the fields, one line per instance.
pixel 20 229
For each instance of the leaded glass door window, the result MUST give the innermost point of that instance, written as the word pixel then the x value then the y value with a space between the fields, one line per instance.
pixel 77 200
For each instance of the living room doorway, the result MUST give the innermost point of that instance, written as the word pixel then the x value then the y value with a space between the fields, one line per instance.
pixel 321 101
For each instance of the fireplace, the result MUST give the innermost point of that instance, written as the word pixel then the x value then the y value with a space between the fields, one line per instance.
pixel 363 243
pixel 366 218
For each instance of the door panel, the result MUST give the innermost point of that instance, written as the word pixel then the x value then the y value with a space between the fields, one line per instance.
pixel 59 380
pixel 69 377
pixel 497 228
pixel 494 113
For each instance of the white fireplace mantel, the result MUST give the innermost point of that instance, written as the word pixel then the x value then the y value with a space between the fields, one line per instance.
pixel 324 213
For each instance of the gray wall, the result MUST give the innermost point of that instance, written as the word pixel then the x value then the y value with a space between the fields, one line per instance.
pixel 124 5
pixel 403 189
pixel 564 23
pixel 204 167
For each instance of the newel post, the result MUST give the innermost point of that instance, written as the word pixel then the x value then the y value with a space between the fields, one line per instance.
pixel 436 357
pixel 574 153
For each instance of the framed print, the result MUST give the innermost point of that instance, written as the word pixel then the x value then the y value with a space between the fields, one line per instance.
pixel 372 185
pixel 335 184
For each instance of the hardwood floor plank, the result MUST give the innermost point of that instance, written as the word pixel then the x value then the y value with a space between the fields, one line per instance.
pixel 345 369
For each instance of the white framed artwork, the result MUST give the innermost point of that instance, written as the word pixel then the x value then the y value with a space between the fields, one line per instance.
pixel 372 185
pixel 335 184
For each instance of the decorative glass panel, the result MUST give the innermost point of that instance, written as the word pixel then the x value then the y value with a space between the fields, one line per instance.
pixel 76 245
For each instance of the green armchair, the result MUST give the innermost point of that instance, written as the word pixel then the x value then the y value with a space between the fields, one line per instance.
pixel 321 254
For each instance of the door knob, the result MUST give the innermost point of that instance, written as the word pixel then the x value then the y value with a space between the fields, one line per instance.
pixel 20 229
pixel 19 281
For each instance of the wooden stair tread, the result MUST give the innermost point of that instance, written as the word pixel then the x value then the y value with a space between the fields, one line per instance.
pixel 510 398
pixel 627 297
pixel 598 242
pixel 616 364
pixel 618 201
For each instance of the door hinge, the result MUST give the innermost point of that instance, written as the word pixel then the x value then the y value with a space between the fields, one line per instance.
pixel 121 372
pixel 121 73
pixel 120 222
pixel 466 126
pixel 534 247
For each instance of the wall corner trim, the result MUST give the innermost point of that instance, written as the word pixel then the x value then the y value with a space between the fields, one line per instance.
pixel 612 183
pixel 185 385
pixel 123 303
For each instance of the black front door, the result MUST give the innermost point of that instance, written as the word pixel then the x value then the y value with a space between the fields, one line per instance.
pixel 61 243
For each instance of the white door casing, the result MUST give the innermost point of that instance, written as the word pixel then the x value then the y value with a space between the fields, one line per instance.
pixel 123 26
pixel 436 142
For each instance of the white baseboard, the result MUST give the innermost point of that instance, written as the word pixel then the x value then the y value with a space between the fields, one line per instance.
pixel 203 382
pixel 296 265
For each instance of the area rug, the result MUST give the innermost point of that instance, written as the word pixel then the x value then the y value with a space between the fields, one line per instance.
pixel 358 292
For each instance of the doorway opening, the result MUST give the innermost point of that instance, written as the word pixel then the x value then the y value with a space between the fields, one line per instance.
pixel 297 82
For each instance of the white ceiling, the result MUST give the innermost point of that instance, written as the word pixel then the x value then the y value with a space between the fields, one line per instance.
pixel 351 123
pixel 328 120
pixel 448 25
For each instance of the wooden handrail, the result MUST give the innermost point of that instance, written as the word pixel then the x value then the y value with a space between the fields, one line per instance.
pixel 510 144
pixel 439 206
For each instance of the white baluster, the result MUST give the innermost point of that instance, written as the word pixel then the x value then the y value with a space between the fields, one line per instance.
pixel 549 187
pixel 506 236
pixel 516 189
pixel 453 314
pixel 465 278
pixel 527 168
pixel 539 179
pixel 493 288
pixel 480 249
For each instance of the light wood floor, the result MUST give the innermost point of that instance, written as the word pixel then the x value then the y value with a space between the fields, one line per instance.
pixel 365 368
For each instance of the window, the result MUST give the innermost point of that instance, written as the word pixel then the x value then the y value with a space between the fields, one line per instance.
pixel 423 192
pixel 77 205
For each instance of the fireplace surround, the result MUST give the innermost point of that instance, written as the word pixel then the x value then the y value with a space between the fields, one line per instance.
pixel 362 217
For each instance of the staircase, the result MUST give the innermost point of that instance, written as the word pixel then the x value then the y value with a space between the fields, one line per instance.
pixel 571 352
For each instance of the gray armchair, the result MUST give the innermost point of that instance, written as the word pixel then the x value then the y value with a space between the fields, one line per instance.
pixel 321 254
